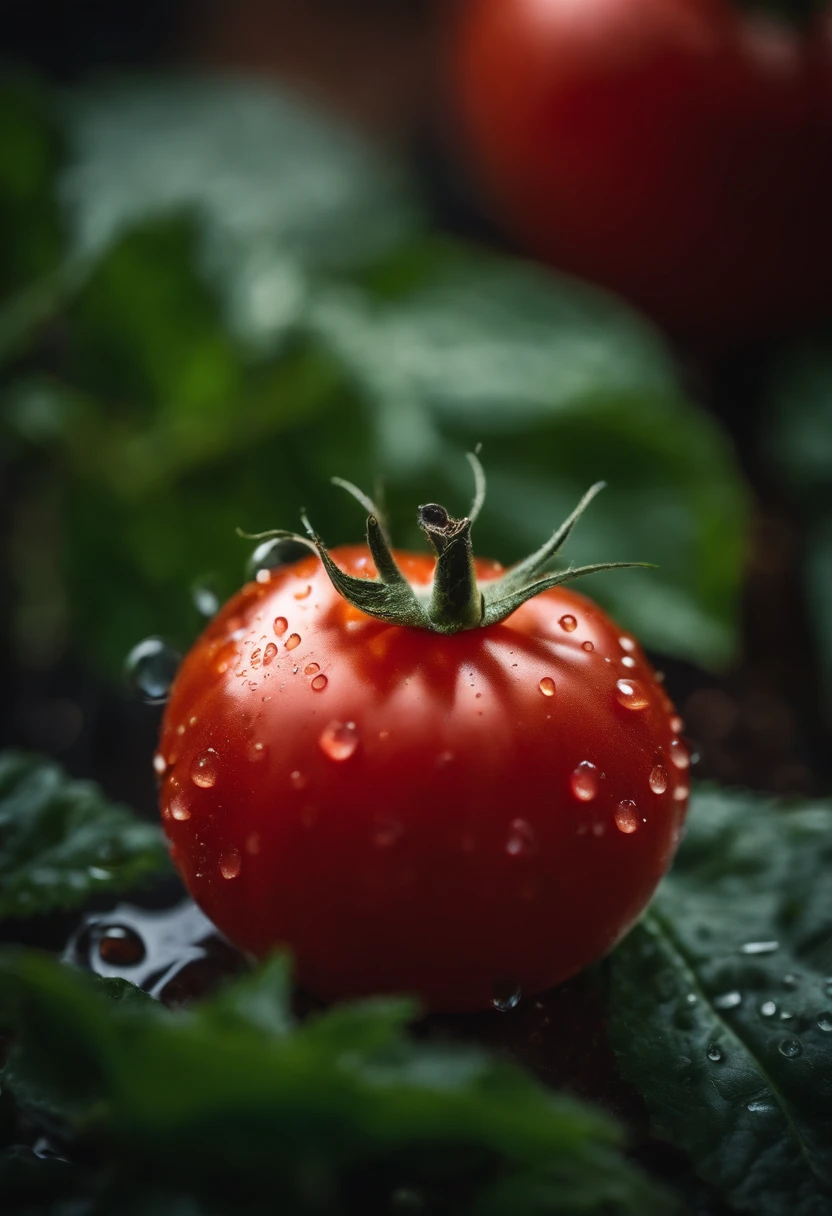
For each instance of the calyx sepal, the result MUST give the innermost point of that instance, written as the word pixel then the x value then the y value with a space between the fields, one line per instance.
pixel 456 600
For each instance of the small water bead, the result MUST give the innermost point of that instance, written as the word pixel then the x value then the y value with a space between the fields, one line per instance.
pixel 179 808
pixel 626 816
pixel 789 981
pixel 789 1048
pixel 506 995
pixel 262 577
pixel 151 667
pixel 786 1016
pixel 231 863
pixel 339 740
pixel 292 641
pixel 204 769
pixel 160 764
pixel 631 694
pixel 825 1021
pixel 547 686
pixel 258 752
pixel 280 625
pixel 768 1009
pixel 568 623
pixel 627 661
pixel 587 646
pixel 728 1000
pixel 269 653
pixel 658 779
pixel 676 724
pixel 311 668
pixel 627 644
pixel 521 841
pixel 679 754
pixel 759 947
pixel 120 946
pixel 762 1106
pixel 714 1053
pixel 584 781
pixel 298 780
pixel 681 792
pixel 304 593
pixel 319 683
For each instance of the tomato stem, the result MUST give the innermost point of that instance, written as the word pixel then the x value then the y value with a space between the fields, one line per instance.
pixel 456 600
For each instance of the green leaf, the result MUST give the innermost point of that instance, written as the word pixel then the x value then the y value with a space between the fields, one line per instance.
pixel 61 841
pixel 37 1186
pixel 207 1097
pixel 721 1002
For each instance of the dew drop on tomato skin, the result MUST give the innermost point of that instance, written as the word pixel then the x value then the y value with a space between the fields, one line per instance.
pixel 311 668
pixel 269 653
pixel 258 752
pixel 676 724
pixel 658 779
pixel 626 816
pixel 160 764
pixel 292 642
pixel 204 769
pixel 179 808
pixel 588 647
pixel 631 694
pixel 339 740
pixel 568 623
pixel 319 683
pixel 280 625
pixel 627 644
pixel 584 781
pixel 231 863
pixel 298 780
pixel 679 754
pixel 547 686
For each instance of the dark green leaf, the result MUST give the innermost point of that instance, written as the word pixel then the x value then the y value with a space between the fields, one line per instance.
pixel 721 1006
pixel 228 1090
pixel 37 1186
pixel 62 841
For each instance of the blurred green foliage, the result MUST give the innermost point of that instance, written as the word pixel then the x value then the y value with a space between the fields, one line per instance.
pixel 246 300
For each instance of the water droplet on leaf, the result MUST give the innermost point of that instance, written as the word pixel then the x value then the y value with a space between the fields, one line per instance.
pixel 790 1048
pixel 151 667
pixel 728 1000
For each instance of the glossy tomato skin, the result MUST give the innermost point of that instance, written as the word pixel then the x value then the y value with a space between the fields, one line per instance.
pixel 410 812
pixel 678 152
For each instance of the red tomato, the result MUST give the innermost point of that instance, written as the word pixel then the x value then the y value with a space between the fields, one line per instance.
pixel 464 817
pixel 678 152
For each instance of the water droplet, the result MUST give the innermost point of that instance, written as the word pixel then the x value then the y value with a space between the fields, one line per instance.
pixel 627 661
pixel 681 791
pixel 311 668
pixel 568 623
pixel 272 554
pixel 269 653
pixel 256 655
pixel 506 995
pixel 626 816
pixel 631 694
pixel 339 740
pixel 790 981
pixel 768 1009
pixel 280 625
pixel 387 832
pixel 714 1053
pixel 258 751
pixel 676 724
pixel 825 1021
pixel 786 1016
pixel 204 769
pixel 262 577
pixel 587 646
pixel 205 599
pixel 298 780
pixel 151 667
pixel 521 840
pixel 728 1000
pixel 231 863
pixel 547 686
pixel 789 1048
pixel 658 779
pixel 160 764
pixel 304 593
pixel 120 946
pixel 762 1106
pixel 179 808
pixel 760 947
pixel 319 683
pixel 627 644
pixel 692 998
pixel 584 781
pixel 679 754
pixel 292 641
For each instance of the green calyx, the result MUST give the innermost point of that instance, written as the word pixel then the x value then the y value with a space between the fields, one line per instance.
pixel 456 600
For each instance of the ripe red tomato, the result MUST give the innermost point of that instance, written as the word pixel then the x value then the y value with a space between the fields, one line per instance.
pixel 678 152
pixel 464 817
